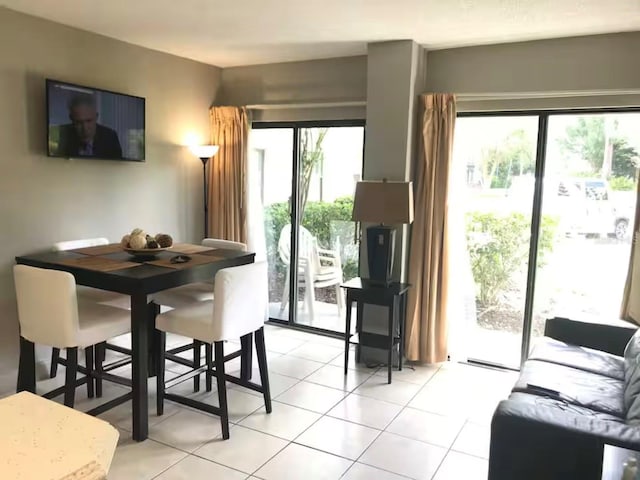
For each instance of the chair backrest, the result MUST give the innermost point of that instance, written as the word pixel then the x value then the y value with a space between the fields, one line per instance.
pixel 47 306
pixel 82 243
pixel 240 301
pixel 307 246
pixel 228 244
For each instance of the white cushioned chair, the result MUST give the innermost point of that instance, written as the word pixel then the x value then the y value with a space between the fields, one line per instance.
pixel 88 294
pixel 186 295
pixel 239 309
pixel 50 314
pixel 317 268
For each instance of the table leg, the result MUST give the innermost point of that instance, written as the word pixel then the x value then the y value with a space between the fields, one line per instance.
pixel 347 333
pixel 392 316
pixel 154 339
pixel 140 365
pixel 401 320
pixel 27 367
pixel 359 315
pixel 246 359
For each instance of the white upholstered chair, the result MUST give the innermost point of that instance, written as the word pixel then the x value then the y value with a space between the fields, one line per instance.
pixel 317 268
pixel 185 295
pixel 87 294
pixel 239 308
pixel 49 314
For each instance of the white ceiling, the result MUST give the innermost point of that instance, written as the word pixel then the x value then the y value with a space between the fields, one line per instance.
pixel 245 32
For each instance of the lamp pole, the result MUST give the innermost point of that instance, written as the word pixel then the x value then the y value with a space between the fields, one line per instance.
pixel 206 202
pixel 204 153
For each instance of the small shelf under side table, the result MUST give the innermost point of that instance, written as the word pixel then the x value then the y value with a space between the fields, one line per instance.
pixel 392 296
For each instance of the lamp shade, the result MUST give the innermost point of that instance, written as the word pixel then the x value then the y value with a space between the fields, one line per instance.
pixel 204 151
pixel 383 202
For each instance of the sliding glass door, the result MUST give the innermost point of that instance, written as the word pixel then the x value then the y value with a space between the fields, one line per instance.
pixel 307 181
pixel 541 209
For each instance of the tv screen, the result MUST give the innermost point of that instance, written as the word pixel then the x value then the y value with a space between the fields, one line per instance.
pixel 85 122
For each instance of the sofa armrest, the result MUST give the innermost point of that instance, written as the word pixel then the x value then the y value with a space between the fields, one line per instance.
pixel 533 442
pixel 599 336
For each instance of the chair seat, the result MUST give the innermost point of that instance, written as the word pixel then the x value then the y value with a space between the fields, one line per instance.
pixel 185 295
pixel 193 321
pixel 103 296
pixel 99 323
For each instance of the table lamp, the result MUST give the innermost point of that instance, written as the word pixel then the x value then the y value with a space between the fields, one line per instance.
pixel 388 204
pixel 204 153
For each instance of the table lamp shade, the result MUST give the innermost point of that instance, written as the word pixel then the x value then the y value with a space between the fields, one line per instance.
pixel 384 202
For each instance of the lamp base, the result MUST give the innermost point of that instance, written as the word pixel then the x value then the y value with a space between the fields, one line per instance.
pixel 381 241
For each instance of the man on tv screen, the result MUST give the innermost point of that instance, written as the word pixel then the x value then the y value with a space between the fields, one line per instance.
pixel 84 136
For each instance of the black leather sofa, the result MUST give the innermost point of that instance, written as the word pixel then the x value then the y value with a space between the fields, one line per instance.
pixel 566 405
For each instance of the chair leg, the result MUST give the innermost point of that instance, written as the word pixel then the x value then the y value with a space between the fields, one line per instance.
pixel 55 358
pixel 162 346
pixel 261 352
pixel 222 389
pixel 26 367
pixel 339 299
pixel 246 358
pixel 101 351
pixel 208 349
pixel 197 353
pixel 285 292
pixel 89 364
pixel 70 378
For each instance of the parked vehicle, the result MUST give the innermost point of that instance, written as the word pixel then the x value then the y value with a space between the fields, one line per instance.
pixel 584 206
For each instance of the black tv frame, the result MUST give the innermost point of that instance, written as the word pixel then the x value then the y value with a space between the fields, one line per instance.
pixel 48 81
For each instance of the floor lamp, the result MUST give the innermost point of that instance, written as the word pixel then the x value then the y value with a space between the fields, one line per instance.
pixel 204 153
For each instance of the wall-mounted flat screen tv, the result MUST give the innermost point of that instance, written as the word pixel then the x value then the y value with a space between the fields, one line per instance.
pixel 86 122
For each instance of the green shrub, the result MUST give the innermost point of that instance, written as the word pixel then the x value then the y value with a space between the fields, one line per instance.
pixel 622 183
pixel 330 223
pixel 499 247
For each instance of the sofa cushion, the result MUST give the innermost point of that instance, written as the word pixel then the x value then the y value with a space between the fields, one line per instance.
pixel 587 359
pixel 563 406
pixel 577 387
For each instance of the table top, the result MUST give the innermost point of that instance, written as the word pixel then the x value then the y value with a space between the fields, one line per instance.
pixel 395 288
pixel 43 439
pixel 142 278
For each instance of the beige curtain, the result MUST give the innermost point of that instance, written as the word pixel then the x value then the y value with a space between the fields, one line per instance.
pixel 426 333
pixel 227 174
pixel 631 299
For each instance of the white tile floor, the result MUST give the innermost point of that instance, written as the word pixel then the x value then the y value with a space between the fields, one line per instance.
pixel 430 423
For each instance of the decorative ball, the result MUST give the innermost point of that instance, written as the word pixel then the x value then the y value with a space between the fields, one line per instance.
pixel 137 231
pixel 125 241
pixel 152 243
pixel 137 241
pixel 164 240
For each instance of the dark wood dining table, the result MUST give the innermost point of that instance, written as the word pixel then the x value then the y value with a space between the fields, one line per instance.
pixel 140 282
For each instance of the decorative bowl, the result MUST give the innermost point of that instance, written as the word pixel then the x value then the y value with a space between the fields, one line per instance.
pixel 145 252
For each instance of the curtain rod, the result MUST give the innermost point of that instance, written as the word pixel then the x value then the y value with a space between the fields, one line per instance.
pixel 490 96
pixel 291 105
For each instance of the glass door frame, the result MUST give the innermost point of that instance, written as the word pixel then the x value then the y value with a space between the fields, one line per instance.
pixel 536 212
pixel 294 217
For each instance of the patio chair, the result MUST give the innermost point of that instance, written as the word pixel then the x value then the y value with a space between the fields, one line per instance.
pixel 317 268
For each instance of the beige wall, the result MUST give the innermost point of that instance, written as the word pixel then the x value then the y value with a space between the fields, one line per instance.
pixel 333 82
pixel 44 200
pixel 560 73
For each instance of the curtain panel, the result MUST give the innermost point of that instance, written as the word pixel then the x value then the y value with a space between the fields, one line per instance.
pixel 426 332
pixel 227 174
pixel 631 298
